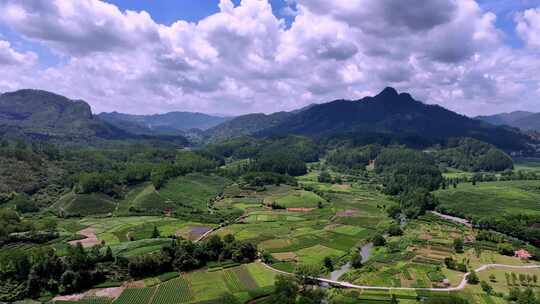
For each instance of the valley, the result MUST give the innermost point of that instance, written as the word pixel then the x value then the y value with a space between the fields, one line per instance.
pixel 246 219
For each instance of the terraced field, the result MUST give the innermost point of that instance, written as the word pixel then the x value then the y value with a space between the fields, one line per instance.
pixel 203 286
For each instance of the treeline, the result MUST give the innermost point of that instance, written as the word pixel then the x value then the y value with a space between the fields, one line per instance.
pixel 353 159
pixel 44 172
pixel 524 227
pixel 33 273
pixel 405 169
pixel 30 274
pixel 14 229
pixel 268 161
pixel 411 175
pixel 472 155
pixel 184 255
pixel 133 173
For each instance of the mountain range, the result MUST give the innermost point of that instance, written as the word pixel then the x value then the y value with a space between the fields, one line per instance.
pixel 168 123
pixel 389 114
pixel 526 121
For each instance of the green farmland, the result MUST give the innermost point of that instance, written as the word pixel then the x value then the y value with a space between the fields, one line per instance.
pixel 492 198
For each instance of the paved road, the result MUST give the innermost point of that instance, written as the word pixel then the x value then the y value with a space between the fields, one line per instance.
pixel 461 285
pixel 453 218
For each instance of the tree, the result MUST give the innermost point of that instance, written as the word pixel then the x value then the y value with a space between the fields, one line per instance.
pixel 486 287
pixel 24 204
pixel 356 260
pixel 458 245
pixel 393 211
pixel 527 297
pixel 285 290
pixel 378 240
pixel 228 239
pixel 108 257
pixel 492 278
pixel 328 263
pixel 305 273
pixel 229 298
pixel 324 177
pixel 395 230
pixel 155 233
pixel 505 249
pixel 514 294
pixel 472 278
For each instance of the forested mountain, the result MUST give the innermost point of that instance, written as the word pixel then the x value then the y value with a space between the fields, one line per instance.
pixel 393 114
pixel 41 115
pixel 246 125
pixel 526 121
pixel 168 123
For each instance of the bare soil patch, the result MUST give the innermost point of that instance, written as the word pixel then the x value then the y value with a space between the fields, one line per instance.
pixel 300 209
pixel 134 284
pixel 192 233
pixel 348 213
pixel 285 256
pixel 112 293
pixel 425 236
pixel 342 186
pixel 90 240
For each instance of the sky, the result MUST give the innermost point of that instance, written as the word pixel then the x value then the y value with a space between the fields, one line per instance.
pixel 244 56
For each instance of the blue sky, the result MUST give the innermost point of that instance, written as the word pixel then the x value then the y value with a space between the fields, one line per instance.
pixel 471 56
pixel 168 11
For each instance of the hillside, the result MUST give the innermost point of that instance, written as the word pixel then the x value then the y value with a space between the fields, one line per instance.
pixel 246 125
pixel 392 114
pixel 504 118
pixel 41 115
pixel 526 121
pixel 168 123
pixel 530 122
pixel 45 115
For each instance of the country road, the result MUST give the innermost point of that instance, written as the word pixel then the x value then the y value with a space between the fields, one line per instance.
pixel 461 285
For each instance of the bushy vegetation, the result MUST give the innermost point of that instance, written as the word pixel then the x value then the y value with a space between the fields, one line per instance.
pixel 469 154
pixel 404 169
pixel 355 159
pixel 31 274
pixel 185 255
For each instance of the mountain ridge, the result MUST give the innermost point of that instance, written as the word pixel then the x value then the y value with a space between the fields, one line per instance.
pixel 524 120
pixel 393 113
pixel 176 122
pixel 42 115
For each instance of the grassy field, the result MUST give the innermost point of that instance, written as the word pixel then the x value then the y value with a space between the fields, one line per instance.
pixel 193 190
pixel 84 204
pixel 492 198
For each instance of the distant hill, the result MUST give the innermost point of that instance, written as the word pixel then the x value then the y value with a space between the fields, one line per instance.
pixel 168 123
pixel 245 125
pixel 526 121
pixel 392 114
pixel 41 115
pixel 505 118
